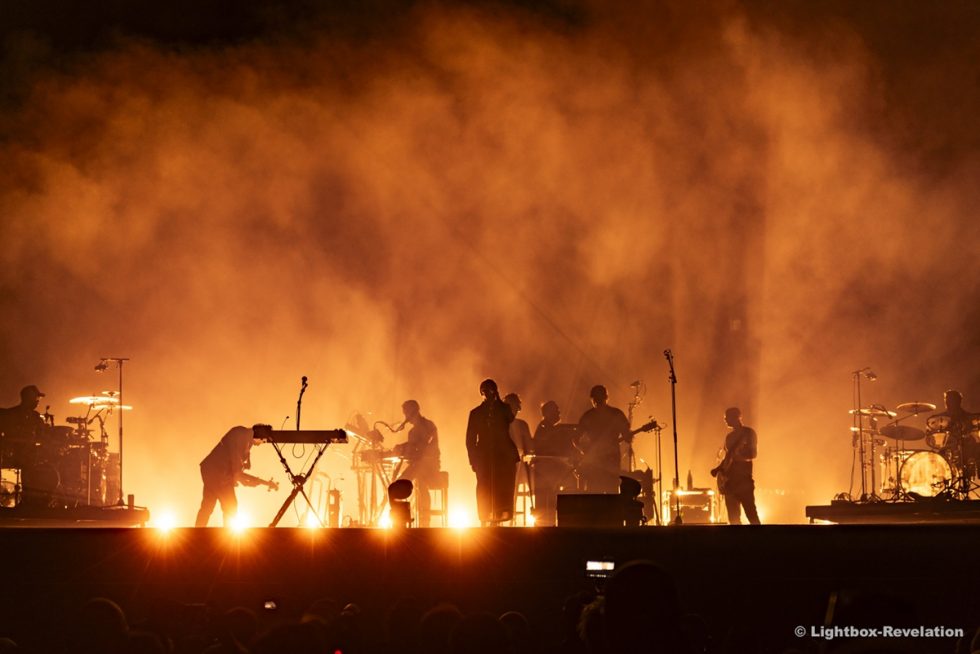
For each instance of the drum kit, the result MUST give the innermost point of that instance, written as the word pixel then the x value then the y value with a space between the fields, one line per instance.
pixel 940 461
pixel 64 465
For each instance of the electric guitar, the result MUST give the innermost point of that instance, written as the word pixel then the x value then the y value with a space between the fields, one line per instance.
pixel 649 426
pixel 721 470
pixel 587 457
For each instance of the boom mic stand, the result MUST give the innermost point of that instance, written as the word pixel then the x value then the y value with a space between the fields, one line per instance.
pixel 673 410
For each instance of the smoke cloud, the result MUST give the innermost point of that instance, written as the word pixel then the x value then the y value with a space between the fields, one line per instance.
pixel 547 199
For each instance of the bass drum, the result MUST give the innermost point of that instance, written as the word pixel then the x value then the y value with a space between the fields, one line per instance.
pixel 926 473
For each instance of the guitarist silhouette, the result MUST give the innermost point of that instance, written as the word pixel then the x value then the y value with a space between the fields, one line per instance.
pixel 734 473
pixel 603 428
pixel 224 468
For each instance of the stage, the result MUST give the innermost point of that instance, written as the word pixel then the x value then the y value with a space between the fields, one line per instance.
pixel 927 510
pixel 769 579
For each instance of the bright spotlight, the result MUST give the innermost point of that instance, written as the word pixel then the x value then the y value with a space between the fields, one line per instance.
pixel 385 520
pixel 311 522
pixel 165 522
pixel 531 521
pixel 459 518
pixel 240 523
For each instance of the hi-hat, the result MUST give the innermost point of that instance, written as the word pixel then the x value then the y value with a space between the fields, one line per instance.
pixel 873 411
pixel 902 433
pixel 916 407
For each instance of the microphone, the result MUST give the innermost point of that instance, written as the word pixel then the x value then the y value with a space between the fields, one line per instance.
pixel 304 380
pixel 283 423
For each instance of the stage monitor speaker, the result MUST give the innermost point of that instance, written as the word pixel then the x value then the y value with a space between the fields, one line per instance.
pixel 590 510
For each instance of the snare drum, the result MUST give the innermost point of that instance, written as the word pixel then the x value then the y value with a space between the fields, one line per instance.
pixel 926 473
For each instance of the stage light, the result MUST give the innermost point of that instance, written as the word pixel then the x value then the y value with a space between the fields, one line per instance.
pixel 165 522
pixel 385 520
pixel 459 518
pixel 531 521
pixel 311 522
pixel 400 514
pixel 240 523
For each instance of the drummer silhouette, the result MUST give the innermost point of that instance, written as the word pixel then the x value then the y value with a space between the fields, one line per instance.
pixel 22 422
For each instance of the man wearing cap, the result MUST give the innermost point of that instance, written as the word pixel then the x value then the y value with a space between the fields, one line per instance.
pixel 224 468
pixel 603 428
pixel 20 429
pixel 492 455
pixel 22 422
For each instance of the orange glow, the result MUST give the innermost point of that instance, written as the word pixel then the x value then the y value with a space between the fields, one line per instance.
pixel 241 523
pixel 460 518
pixel 163 521
pixel 549 207
pixel 384 522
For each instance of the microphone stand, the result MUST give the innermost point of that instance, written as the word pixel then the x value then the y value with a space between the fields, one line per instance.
pixel 673 411
pixel 630 454
pixel 298 481
pixel 99 368
pixel 299 401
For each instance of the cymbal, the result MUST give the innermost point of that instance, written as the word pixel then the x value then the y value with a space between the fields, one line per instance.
pixel 93 399
pixel 873 411
pixel 916 407
pixel 902 433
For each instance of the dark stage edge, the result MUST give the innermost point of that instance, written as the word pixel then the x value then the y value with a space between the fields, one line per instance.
pixel 768 579
pixel 925 511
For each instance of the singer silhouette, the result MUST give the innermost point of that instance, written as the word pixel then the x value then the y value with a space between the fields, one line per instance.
pixel 492 455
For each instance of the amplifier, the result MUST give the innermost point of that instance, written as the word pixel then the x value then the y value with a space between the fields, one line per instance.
pixel 590 510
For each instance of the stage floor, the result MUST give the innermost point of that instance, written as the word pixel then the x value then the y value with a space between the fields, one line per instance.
pixel 924 511
pixel 773 578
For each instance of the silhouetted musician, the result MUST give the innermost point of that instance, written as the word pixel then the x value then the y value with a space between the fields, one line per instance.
pixel 603 427
pixel 492 456
pixel 224 468
pixel 21 427
pixel 554 453
pixel 421 453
